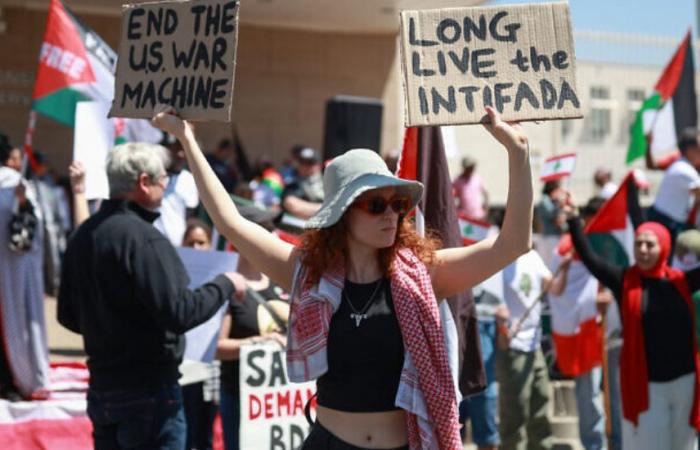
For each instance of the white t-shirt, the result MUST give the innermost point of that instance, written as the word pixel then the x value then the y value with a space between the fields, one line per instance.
pixel 608 190
pixel 522 285
pixel 674 197
pixel 180 194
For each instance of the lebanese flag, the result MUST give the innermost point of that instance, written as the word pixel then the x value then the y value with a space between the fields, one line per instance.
pixel 423 159
pixel 669 109
pixel 473 230
pixel 557 167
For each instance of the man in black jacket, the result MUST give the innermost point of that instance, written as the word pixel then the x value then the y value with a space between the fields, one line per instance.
pixel 124 289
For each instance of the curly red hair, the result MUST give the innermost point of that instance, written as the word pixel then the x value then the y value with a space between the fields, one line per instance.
pixel 326 247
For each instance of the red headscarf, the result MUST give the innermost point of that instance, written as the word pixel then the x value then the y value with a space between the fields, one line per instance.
pixel 634 379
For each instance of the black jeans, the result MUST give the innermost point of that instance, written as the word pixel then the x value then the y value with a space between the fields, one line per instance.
pixel 138 419
pixel 322 439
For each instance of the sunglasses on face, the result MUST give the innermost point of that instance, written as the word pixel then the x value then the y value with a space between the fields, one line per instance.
pixel 377 205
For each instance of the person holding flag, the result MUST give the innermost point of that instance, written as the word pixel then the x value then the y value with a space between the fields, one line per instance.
pixel 679 192
pixel 659 360
pixel 364 317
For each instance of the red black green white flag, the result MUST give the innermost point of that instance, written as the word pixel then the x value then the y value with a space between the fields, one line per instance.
pixel 75 64
pixel 669 109
pixel 611 230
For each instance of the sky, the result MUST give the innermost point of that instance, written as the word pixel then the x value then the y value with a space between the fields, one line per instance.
pixel 663 18
pixel 629 16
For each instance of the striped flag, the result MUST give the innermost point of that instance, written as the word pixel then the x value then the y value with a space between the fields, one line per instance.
pixel 473 230
pixel 669 109
pixel 558 167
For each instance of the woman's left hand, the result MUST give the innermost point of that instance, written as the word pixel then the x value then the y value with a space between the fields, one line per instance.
pixel 509 134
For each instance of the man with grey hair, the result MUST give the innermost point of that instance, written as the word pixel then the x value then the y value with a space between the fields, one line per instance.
pixel 124 289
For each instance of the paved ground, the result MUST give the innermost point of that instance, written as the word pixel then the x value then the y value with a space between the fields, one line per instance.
pixel 64 345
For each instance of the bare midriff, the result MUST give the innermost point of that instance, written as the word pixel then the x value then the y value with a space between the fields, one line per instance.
pixel 378 430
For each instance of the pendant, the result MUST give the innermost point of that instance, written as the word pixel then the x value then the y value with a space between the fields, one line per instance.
pixel 358 318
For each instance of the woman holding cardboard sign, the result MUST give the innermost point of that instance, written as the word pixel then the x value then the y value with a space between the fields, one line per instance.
pixel 364 316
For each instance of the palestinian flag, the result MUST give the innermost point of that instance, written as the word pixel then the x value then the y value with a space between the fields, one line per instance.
pixel 423 159
pixel 74 65
pixel 669 109
pixel 558 167
pixel 577 334
pixel 473 230
pixel 611 230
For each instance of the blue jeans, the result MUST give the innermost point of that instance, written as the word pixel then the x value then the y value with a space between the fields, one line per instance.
pixel 615 398
pixel 481 407
pixel 138 419
pixel 591 416
pixel 230 419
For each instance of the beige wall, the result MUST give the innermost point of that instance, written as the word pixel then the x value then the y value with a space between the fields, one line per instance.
pixel 283 80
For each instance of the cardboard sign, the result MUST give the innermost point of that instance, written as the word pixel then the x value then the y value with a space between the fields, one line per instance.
pixel 181 53
pixel 272 408
pixel 518 59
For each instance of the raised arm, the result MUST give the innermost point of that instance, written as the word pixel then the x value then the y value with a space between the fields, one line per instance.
pixel 81 212
pixel 458 269
pixel 607 273
pixel 268 254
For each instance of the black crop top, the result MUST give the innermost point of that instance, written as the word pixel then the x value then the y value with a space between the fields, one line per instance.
pixel 365 360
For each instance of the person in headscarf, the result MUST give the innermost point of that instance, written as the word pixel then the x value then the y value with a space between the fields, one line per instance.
pixel 659 360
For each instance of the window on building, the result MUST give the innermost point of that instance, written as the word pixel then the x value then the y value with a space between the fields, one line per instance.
pixel 567 128
pixel 597 125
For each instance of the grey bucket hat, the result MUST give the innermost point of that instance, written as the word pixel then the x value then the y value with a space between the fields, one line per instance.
pixel 348 176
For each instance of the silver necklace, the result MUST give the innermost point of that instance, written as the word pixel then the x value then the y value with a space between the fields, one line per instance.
pixel 356 315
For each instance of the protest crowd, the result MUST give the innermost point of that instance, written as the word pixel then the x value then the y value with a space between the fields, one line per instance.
pixel 413 311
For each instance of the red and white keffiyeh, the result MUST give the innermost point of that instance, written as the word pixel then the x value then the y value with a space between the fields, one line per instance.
pixel 426 389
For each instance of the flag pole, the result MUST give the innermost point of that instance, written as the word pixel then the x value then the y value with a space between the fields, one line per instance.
pixel 606 380
pixel 28 157
pixel 516 329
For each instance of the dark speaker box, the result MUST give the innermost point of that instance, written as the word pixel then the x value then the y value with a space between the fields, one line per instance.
pixel 352 122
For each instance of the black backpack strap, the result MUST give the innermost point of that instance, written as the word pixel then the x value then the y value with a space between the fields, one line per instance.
pixel 307 409
pixel 278 320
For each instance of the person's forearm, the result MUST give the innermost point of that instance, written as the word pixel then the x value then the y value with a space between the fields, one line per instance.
pixel 229 349
pixel 559 282
pixel 516 233
pixel 300 207
pixel 216 200
pixel 81 212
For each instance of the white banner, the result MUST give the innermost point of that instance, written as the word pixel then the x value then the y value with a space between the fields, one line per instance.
pixel 272 408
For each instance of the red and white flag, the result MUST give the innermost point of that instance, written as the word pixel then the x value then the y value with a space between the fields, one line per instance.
pixel 558 167
pixel 473 230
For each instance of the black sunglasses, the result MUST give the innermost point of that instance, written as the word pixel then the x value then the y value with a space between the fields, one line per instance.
pixel 377 205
